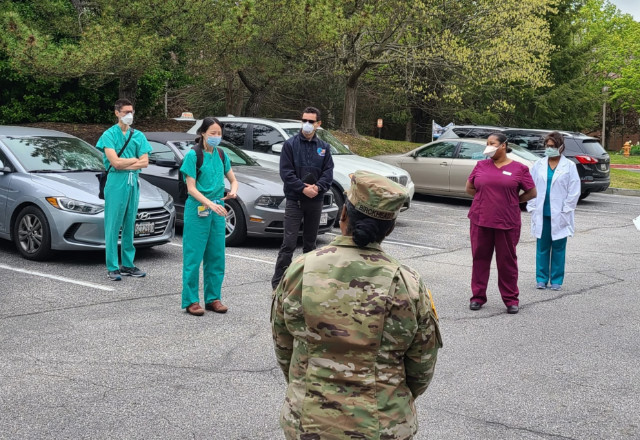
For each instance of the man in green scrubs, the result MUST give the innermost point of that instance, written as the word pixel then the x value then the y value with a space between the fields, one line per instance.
pixel 121 192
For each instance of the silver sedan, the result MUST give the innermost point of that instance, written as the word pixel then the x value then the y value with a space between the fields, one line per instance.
pixel 49 196
pixel 443 167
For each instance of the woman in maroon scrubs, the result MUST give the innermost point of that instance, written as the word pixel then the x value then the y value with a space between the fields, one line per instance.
pixel 495 185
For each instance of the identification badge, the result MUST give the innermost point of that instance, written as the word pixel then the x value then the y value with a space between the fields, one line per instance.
pixel 203 211
pixel 321 151
pixel 506 173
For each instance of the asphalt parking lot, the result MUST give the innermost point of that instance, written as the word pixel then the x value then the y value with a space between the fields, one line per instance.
pixel 82 357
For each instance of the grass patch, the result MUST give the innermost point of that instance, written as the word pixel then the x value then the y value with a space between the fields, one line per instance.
pixel 625 179
pixel 620 159
pixel 368 146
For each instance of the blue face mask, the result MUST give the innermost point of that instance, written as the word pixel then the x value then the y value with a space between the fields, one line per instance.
pixel 213 141
pixel 551 152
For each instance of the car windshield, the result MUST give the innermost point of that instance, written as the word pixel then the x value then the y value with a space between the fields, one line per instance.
pixel 337 147
pixel 54 154
pixel 236 155
pixel 524 153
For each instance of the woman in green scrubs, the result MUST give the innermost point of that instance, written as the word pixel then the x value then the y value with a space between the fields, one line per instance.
pixel 203 238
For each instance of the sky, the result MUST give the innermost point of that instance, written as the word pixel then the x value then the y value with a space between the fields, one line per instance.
pixel 629 7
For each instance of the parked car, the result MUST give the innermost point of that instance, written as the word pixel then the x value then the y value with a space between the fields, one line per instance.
pixel 470 131
pixel 592 161
pixel 258 210
pixel 442 167
pixel 262 139
pixel 49 196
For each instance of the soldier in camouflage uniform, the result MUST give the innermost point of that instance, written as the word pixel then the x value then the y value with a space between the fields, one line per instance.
pixel 355 331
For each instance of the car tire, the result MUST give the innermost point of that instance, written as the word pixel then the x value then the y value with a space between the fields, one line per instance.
pixel 584 195
pixel 338 198
pixel 32 234
pixel 236 226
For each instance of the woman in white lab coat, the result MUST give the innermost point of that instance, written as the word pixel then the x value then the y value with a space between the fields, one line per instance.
pixel 552 211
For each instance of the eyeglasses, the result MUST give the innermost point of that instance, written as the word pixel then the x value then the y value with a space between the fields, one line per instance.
pixel 310 121
pixel 128 112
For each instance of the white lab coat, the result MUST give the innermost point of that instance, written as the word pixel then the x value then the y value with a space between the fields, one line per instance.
pixel 564 194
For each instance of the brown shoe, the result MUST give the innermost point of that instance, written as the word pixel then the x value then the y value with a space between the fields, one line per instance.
pixel 195 309
pixel 216 306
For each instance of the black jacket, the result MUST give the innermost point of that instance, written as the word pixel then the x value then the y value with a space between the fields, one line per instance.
pixel 305 161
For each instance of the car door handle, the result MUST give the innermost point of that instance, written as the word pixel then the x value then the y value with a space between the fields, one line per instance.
pixel 444 164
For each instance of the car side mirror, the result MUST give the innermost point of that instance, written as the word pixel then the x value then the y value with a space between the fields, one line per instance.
pixel 167 163
pixel 4 169
pixel 276 148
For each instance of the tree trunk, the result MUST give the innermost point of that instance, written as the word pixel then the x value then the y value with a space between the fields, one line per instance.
pixel 128 88
pixel 233 95
pixel 408 130
pixel 349 111
pixel 252 108
pixel 351 100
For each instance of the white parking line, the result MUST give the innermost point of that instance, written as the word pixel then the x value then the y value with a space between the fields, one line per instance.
pixel 57 278
pixel 239 256
pixel 435 223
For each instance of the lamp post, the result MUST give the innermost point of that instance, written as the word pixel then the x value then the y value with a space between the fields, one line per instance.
pixel 605 89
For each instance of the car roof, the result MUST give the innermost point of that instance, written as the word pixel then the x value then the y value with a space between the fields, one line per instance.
pixel 540 131
pixel 14 130
pixel 168 136
pixel 478 126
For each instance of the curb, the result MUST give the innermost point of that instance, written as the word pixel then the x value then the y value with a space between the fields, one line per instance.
pixel 622 192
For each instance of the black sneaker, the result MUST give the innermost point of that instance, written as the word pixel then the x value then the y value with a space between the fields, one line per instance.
pixel 131 272
pixel 114 275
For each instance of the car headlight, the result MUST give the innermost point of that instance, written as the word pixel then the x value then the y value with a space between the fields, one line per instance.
pixel 65 204
pixel 269 201
pixel 169 205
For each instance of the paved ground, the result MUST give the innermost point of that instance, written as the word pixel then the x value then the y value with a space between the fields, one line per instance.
pixel 84 358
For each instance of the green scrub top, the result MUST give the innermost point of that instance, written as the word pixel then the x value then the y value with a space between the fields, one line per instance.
pixel 113 138
pixel 210 182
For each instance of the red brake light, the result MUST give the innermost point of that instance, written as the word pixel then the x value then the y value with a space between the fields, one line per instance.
pixel 586 159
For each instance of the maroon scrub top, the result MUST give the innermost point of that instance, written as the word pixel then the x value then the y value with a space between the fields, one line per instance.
pixel 495 204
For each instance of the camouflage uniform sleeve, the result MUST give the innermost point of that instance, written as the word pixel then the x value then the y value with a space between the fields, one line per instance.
pixel 420 359
pixel 291 284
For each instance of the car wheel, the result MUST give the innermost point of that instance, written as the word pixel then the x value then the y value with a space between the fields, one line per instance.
pixel 236 226
pixel 338 197
pixel 584 195
pixel 31 234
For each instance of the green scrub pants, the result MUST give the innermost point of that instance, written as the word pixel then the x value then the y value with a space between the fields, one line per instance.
pixel 121 196
pixel 203 240
pixel 550 256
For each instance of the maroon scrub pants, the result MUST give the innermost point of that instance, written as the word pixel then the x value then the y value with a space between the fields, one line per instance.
pixel 483 241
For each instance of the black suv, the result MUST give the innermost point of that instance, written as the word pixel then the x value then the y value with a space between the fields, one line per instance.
pixel 591 160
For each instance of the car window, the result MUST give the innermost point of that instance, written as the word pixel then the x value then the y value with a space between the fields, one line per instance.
pixel 469 150
pixel 160 151
pixel 237 157
pixel 532 141
pixel 51 153
pixel 440 149
pixel 482 133
pixel 235 133
pixel 5 161
pixel 292 131
pixel 264 137
pixel 523 152
pixel 337 147
pixel 592 147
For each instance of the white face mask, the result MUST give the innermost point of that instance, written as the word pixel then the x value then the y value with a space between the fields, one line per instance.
pixel 307 128
pixel 490 151
pixel 127 119
pixel 551 152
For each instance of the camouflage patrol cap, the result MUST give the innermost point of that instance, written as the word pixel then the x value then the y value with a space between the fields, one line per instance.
pixel 375 195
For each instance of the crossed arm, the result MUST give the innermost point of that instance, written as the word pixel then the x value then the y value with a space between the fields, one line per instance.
pixel 120 163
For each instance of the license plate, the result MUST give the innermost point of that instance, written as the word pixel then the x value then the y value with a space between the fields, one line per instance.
pixel 146 228
pixel 603 167
pixel 324 218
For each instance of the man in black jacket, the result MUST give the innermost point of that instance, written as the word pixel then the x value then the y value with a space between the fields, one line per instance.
pixel 306 168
